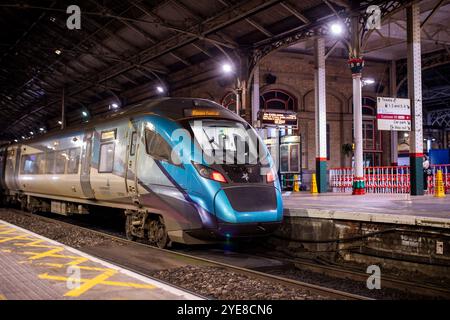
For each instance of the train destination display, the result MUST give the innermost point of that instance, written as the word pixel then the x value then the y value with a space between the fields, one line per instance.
pixel 278 119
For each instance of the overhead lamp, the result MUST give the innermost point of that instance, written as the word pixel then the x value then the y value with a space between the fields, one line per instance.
pixel 406 134
pixel 160 89
pixel 41 129
pixel 114 105
pixel 15 140
pixel 31 132
pixel 84 113
pixel 60 122
pixel 23 137
pixel 58 52
pixel 368 81
pixel 336 28
pixel 227 68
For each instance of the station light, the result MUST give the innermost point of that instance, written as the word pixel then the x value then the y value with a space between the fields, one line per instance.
pixel 58 52
pixel 227 68
pixel 15 140
pixel 84 113
pixel 23 137
pixel 160 89
pixel 31 132
pixel 114 106
pixel 41 129
pixel 406 134
pixel 368 81
pixel 336 28
pixel 60 122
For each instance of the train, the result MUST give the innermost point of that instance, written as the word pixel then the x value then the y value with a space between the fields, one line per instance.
pixel 156 162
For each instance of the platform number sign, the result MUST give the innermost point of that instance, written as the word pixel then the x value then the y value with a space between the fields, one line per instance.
pixel 393 114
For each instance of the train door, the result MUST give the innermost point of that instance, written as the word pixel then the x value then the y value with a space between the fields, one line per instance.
pixel 134 137
pixel 86 158
pixel 12 166
pixel 2 168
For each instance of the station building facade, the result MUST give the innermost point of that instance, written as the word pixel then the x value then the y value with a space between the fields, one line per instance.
pixel 286 82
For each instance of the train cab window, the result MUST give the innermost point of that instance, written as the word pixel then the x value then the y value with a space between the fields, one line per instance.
pixel 50 162
pixel 73 161
pixel 157 147
pixel 60 162
pixel 106 162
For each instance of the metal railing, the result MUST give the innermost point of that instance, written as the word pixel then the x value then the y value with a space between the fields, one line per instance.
pixel 390 179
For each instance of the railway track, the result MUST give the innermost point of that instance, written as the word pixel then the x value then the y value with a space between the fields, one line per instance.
pixel 291 283
pixel 355 274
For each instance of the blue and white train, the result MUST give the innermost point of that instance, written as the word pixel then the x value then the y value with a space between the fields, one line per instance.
pixel 128 161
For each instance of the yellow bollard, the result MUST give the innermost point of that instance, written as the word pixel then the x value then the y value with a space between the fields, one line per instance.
pixel 296 184
pixel 314 184
pixel 439 191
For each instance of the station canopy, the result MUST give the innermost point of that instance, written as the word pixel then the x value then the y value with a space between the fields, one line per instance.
pixel 124 48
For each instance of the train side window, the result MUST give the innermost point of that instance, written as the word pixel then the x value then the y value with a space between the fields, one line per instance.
pixel 133 143
pixel 50 162
pixel 60 162
pixel 29 164
pixel 106 162
pixel 74 161
pixel 40 163
pixel 157 147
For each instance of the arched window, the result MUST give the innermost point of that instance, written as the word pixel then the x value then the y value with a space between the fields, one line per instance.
pixel 371 135
pixel 229 101
pixel 278 100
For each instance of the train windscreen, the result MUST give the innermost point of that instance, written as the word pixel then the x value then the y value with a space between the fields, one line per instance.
pixel 227 141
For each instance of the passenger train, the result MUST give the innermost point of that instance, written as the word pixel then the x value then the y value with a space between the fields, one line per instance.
pixel 131 160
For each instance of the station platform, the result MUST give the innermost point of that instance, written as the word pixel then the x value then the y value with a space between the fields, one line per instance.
pixel 33 267
pixel 379 208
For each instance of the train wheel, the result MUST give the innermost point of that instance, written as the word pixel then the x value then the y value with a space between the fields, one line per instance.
pixel 129 227
pixel 157 233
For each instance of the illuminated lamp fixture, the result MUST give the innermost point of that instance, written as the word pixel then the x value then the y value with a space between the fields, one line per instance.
pixel 58 52
pixel 227 68
pixel 336 28
pixel 160 89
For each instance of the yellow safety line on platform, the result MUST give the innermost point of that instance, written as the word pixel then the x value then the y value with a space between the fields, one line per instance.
pixel 55 252
pixel 22 237
pixel 104 282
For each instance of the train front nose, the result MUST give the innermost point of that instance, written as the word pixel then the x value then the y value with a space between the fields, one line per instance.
pixel 245 211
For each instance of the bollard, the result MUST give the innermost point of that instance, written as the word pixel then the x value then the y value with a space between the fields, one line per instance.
pixel 439 191
pixel 296 184
pixel 314 184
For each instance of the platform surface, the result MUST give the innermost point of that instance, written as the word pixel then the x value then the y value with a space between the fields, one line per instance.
pixel 33 267
pixel 386 208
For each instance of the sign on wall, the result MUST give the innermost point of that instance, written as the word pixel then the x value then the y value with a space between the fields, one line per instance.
pixel 278 119
pixel 393 114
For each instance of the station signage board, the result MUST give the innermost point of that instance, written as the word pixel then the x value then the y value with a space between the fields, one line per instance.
pixel 393 114
pixel 278 119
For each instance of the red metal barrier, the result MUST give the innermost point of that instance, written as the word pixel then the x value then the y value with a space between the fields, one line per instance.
pixel 385 179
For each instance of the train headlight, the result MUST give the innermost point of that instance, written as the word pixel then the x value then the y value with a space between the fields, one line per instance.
pixel 270 177
pixel 209 173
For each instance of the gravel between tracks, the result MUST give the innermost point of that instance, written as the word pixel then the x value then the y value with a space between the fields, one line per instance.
pixel 214 282
pixel 220 283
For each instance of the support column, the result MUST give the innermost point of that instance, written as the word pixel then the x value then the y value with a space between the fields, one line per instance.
pixel 415 95
pixel 356 64
pixel 255 97
pixel 393 91
pixel 321 115
pixel 63 110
